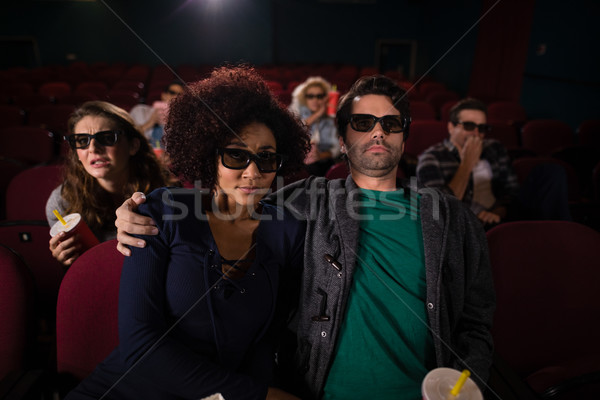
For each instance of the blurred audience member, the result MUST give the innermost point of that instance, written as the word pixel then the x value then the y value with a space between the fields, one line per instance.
pixel 150 120
pixel 309 101
pixel 478 171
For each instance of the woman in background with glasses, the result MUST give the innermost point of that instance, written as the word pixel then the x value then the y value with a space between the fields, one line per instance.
pixel 196 305
pixel 109 160
pixel 309 101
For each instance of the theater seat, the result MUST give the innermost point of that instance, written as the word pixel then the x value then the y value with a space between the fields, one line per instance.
pixel 438 98
pixel 55 89
pixel 98 89
pixel 16 307
pixel 337 171
pixel 87 310
pixel 508 112
pixel 29 191
pixel 545 136
pixel 421 110
pixel 52 117
pixel 588 133
pixel 27 144
pixel 524 165
pixel 424 134
pixel 11 116
pixel 545 326
pixel 30 240
pixel 426 88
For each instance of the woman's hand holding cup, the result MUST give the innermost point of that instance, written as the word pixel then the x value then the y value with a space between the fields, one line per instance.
pixel 65 247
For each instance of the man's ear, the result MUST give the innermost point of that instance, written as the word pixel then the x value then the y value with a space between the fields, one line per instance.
pixel 450 126
pixel 342 145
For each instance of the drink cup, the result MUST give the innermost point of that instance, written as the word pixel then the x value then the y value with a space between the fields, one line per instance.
pixel 159 152
pixel 332 102
pixel 438 384
pixel 76 225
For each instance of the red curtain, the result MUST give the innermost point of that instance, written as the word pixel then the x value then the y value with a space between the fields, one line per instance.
pixel 501 50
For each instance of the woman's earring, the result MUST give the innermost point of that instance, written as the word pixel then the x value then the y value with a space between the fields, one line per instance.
pixel 343 149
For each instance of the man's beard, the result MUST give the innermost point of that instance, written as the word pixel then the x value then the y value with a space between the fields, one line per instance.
pixel 372 164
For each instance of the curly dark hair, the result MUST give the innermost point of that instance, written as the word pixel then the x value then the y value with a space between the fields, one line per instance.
pixel 210 112
pixel 82 191
pixel 376 84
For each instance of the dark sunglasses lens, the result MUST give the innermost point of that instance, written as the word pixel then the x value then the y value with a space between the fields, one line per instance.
pixel 469 126
pixel 362 123
pixel 240 159
pixel 79 141
pixel 268 162
pixel 233 158
pixel 319 96
pixel 484 128
pixel 83 140
pixel 106 138
pixel 392 124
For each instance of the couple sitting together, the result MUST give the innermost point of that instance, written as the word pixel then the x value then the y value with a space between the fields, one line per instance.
pixel 341 289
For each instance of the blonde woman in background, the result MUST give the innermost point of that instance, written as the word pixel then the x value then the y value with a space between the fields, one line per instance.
pixel 309 101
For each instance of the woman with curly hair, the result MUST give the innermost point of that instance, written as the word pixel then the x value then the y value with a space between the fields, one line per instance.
pixel 109 161
pixel 196 305
pixel 309 102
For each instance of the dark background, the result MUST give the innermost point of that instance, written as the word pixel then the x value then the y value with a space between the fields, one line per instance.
pixel 500 52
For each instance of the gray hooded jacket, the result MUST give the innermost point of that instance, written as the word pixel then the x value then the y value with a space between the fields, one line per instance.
pixel 460 294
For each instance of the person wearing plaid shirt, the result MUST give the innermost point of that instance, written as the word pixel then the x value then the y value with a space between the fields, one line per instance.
pixel 474 169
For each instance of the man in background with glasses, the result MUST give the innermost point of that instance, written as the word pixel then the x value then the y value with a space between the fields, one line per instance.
pixel 470 167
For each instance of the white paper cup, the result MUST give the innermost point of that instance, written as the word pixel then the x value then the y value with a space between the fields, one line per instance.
pixel 439 382
pixel 76 225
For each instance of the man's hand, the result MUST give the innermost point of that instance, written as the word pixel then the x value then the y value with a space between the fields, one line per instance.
pixel 488 217
pixel 128 222
pixel 65 248
pixel 471 151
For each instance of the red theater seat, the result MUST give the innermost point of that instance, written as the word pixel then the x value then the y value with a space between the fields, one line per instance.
pixel 546 279
pixel 588 133
pixel 27 144
pixel 16 310
pixel 11 116
pixel 508 112
pixel 28 192
pixel 421 110
pixel 87 310
pixel 424 134
pixel 545 136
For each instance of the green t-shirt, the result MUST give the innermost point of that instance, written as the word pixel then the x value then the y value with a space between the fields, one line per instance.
pixel 384 348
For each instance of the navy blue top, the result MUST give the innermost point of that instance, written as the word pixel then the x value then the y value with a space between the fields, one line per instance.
pixel 184 331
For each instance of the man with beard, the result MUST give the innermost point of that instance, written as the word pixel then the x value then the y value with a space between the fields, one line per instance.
pixel 396 277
